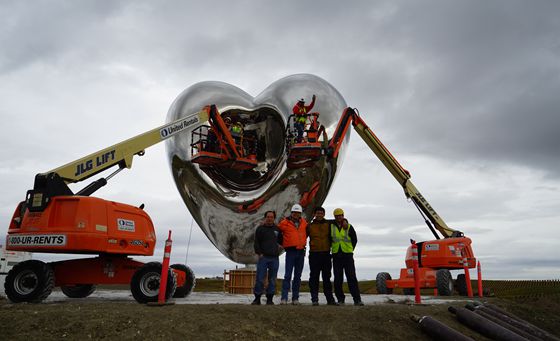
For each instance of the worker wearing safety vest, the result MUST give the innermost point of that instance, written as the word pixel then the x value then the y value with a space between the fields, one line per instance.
pixel 294 231
pixel 344 242
pixel 236 130
pixel 300 111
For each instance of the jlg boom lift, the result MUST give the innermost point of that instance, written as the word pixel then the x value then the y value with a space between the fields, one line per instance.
pixel 53 219
pixel 435 257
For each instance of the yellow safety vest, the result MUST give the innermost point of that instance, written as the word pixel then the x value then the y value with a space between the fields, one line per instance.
pixel 236 129
pixel 302 117
pixel 341 239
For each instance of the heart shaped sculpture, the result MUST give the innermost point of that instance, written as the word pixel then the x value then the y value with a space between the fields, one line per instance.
pixel 229 204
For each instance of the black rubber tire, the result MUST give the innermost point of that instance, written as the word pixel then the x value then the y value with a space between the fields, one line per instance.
pixel 461 284
pixel 190 281
pixel 444 282
pixel 29 281
pixel 381 283
pixel 78 290
pixel 408 291
pixel 144 284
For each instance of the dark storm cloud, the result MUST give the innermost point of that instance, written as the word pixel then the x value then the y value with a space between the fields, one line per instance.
pixel 477 80
pixel 44 31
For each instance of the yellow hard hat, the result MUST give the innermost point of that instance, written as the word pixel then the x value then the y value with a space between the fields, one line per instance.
pixel 338 211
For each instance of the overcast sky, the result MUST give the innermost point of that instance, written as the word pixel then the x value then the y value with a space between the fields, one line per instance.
pixel 466 94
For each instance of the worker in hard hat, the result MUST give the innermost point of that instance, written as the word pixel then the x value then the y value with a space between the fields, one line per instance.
pixel 320 262
pixel 344 242
pixel 300 111
pixel 294 230
pixel 268 241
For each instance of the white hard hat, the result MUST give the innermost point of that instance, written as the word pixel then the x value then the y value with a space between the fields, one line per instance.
pixel 297 208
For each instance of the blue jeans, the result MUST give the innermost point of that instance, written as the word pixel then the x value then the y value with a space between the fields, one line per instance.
pixel 266 263
pixel 299 128
pixel 294 263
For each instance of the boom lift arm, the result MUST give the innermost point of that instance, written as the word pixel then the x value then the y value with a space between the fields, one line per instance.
pixel 54 182
pixel 431 217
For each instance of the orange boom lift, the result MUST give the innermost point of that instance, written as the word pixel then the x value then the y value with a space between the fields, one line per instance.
pixel 435 257
pixel 53 219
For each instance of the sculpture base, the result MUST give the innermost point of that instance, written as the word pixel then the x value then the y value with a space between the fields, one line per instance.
pixel 240 281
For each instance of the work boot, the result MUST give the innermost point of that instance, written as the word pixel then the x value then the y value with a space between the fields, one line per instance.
pixel 333 303
pixel 283 301
pixel 295 302
pixel 257 300
pixel 269 300
pixel 359 303
pixel 315 303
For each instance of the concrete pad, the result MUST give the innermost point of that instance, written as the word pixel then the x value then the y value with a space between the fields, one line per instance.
pixel 225 298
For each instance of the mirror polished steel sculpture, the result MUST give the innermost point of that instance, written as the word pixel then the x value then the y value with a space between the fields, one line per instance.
pixel 228 204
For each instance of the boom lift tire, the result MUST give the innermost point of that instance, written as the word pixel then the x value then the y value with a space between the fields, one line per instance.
pixel 29 281
pixel 190 281
pixel 144 284
pixel 461 284
pixel 381 283
pixel 78 291
pixel 444 282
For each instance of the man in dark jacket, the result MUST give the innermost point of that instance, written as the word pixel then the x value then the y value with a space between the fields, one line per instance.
pixel 344 242
pixel 268 241
pixel 320 257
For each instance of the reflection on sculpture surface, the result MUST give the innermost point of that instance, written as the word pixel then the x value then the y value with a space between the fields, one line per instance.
pixel 227 203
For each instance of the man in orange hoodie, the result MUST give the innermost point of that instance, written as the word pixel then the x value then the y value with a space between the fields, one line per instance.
pixel 294 231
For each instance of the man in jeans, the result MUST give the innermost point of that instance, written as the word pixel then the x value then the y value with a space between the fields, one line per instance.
pixel 320 257
pixel 294 230
pixel 267 246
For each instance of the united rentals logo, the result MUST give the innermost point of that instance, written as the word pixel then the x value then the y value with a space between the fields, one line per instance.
pixel 431 247
pixel 174 128
pixel 126 225
pixel 37 240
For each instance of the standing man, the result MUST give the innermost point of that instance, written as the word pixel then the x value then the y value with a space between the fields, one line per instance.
pixel 344 242
pixel 320 257
pixel 268 239
pixel 300 111
pixel 294 230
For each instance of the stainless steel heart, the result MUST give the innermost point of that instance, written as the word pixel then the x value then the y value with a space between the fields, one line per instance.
pixel 228 204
